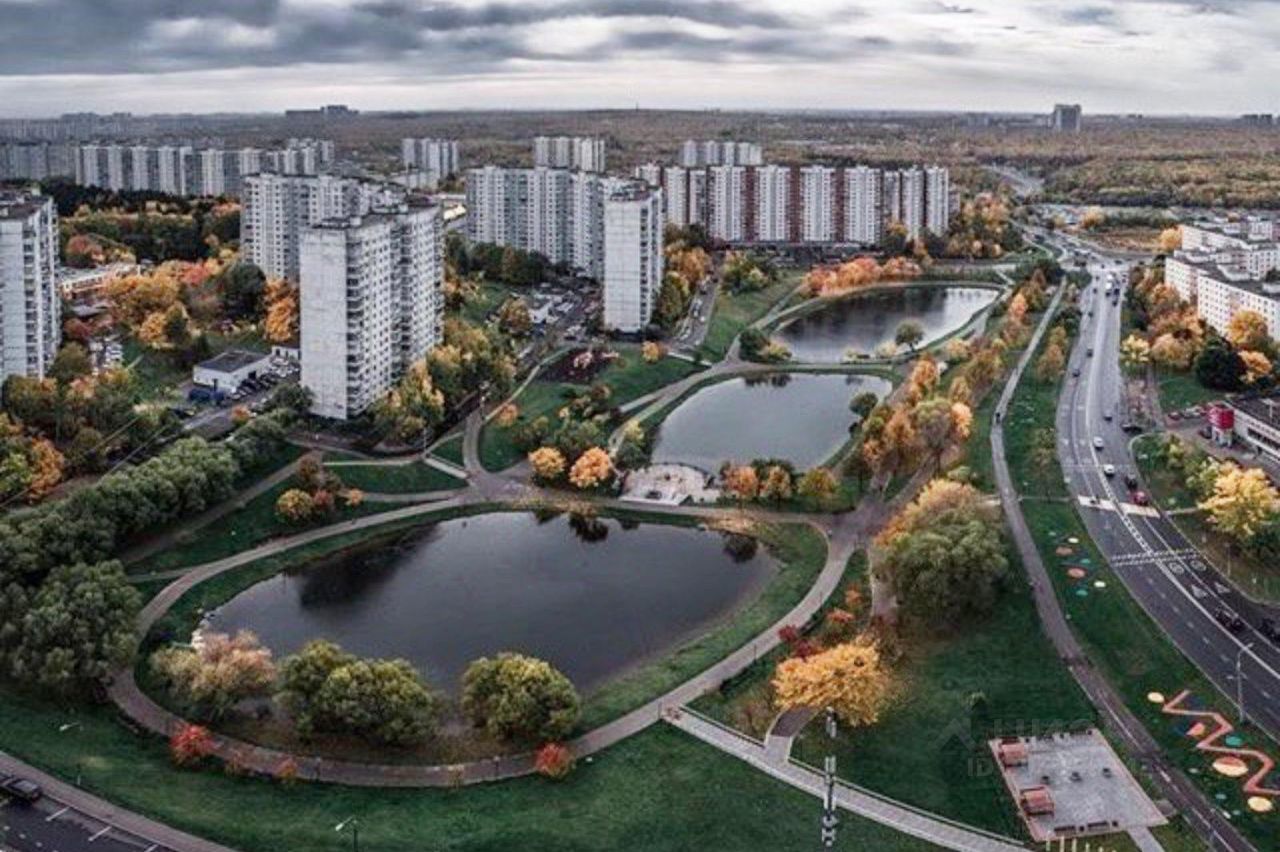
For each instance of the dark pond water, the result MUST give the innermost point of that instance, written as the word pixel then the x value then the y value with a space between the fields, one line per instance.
pixel 592 599
pixel 801 417
pixel 861 323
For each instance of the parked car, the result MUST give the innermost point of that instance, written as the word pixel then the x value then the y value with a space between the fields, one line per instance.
pixel 1268 628
pixel 1131 429
pixel 22 789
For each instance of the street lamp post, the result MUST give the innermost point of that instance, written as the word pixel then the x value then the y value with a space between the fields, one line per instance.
pixel 829 819
pixel 354 825
pixel 1240 680
pixel 71 726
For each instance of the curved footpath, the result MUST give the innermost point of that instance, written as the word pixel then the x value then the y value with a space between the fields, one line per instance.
pixel 1173 785
pixel 842 540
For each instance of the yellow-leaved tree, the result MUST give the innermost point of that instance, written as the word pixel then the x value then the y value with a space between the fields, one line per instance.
pixel 281 324
pixel 1248 330
pixel 1241 500
pixel 593 468
pixel 1256 365
pixel 849 678
pixel 548 463
pixel 1135 351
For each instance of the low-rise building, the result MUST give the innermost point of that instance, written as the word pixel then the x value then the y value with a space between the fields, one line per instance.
pixel 228 370
pixel 1256 422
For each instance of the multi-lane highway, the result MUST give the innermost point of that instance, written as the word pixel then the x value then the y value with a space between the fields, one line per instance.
pixel 1161 569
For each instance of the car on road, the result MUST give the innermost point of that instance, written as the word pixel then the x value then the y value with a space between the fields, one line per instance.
pixel 1131 429
pixel 1108 470
pixel 1097 443
pixel 22 789
pixel 1268 628
pixel 1130 481
pixel 1107 416
pixel 1229 620
pixel 1075 372
pixel 1089 352
pixel 1140 498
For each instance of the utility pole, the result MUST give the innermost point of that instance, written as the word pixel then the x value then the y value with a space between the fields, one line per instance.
pixel 829 819
pixel 1240 680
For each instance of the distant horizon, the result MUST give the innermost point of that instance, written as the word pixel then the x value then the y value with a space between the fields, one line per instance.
pixel 1150 57
pixel 533 110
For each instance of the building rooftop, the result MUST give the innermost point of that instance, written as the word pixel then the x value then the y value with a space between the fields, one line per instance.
pixel 20 204
pixel 1262 406
pixel 232 360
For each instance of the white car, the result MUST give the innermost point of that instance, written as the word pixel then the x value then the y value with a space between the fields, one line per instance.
pixel 1097 443
pixel 1108 470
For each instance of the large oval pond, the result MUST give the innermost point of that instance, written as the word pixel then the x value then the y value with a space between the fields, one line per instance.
pixel 801 417
pixel 592 598
pixel 860 324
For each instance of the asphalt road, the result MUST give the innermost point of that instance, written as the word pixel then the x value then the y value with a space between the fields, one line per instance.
pixel 1161 569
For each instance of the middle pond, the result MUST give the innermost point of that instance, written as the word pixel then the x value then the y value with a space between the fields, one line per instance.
pixel 801 417
pixel 591 597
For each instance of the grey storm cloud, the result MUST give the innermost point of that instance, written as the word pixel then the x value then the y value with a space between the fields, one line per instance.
pixel 120 36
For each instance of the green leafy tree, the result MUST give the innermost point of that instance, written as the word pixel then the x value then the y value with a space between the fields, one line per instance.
pixel 909 334
pixel 77 628
pixel 519 698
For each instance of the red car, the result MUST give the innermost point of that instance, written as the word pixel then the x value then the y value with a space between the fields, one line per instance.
pixel 1141 498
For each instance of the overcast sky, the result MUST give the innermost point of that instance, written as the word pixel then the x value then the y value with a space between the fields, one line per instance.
pixel 1156 56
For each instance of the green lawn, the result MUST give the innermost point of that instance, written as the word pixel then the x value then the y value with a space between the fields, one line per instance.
pixel 450 450
pixel 629 377
pixel 660 791
pixel 412 478
pixel 735 311
pixel 1180 390
pixel 491 294
pixel 251 525
pixel 1169 491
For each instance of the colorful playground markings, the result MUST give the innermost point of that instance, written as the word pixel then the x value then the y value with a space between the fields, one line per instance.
pixel 1073 540
pixel 1155 697
pixel 1077 573
pixel 1235 741
pixel 1207 729
pixel 1064 551
pixel 1099 584
pixel 1232 767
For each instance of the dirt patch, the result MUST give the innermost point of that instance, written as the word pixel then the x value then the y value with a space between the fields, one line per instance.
pixel 581 366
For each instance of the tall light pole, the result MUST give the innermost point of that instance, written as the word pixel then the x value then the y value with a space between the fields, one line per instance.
pixel 354 825
pixel 1240 680
pixel 829 819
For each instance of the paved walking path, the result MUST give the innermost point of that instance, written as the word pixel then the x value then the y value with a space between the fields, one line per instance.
pixel 845 534
pixel 901 817
pixel 173 537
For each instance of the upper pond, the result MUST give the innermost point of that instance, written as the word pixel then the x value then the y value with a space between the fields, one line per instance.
pixel 861 323
pixel 590 598
pixel 801 417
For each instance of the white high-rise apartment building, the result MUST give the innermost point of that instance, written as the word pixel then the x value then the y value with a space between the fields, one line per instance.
pixel 633 259
pixel 30 308
pixel 717 152
pixel 726 203
pixel 937 200
pixel 675 193
pixel 370 304
pixel 863 202
pixel 773 204
pixel 818 204
pixel 891 200
pixel 278 208
pixel 437 157
pixel 912 186
pixel 585 153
